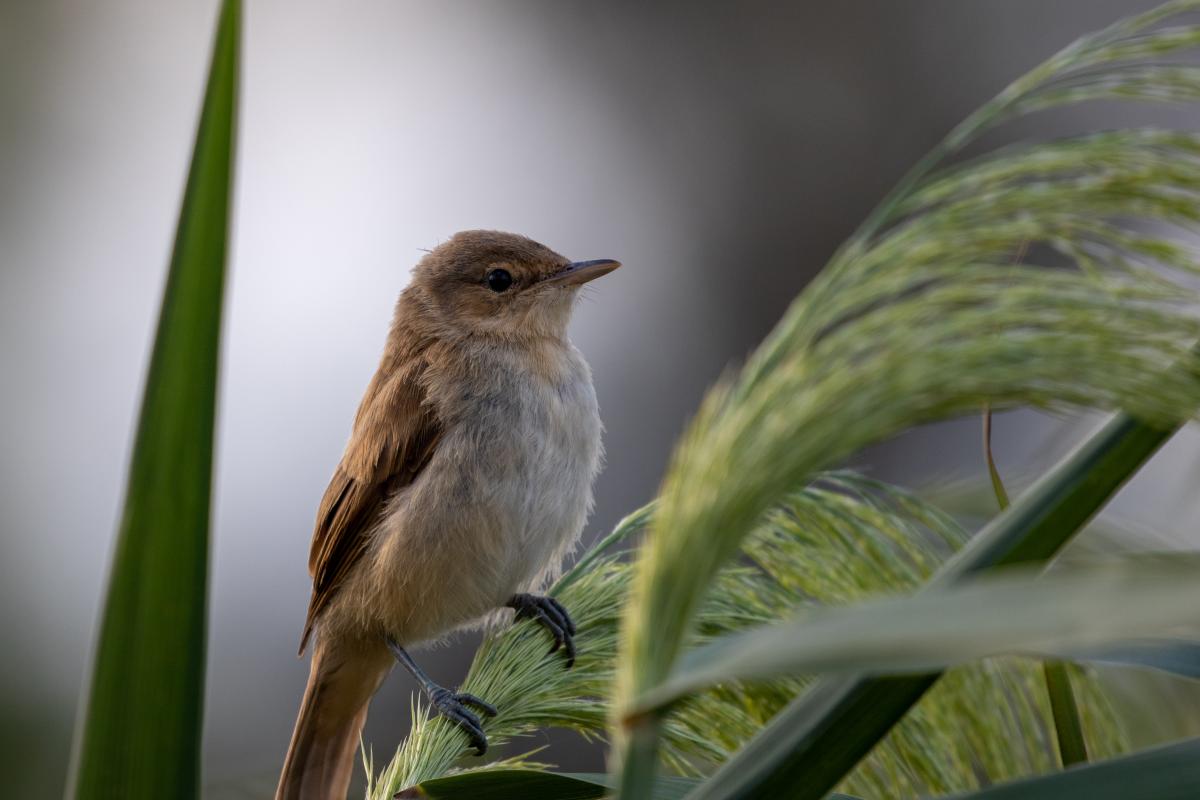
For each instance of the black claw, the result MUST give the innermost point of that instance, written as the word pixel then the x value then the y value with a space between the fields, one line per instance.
pixel 546 606
pixel 453 706
pixel 570 652
pixel 568 623
pixel 555 630
pixel 483 705
pixel 552 616
pixel 554 612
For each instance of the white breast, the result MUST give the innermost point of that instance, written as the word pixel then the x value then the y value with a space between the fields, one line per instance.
pixel 502 501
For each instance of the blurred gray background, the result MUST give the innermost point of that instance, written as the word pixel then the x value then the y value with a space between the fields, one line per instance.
pixel 721 151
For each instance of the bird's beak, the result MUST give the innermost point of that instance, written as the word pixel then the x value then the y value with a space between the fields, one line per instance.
pixel 582 271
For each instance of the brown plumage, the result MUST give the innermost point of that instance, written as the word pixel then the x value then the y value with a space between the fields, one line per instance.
pixel 466 479
pixel 395 433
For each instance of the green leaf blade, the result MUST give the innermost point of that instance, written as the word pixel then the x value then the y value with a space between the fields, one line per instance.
pixel 531 784
pixel 936 630
pixel 1176 657
pixel 1163 773
pixel 501 784
pixel 535 784
pixel 141 732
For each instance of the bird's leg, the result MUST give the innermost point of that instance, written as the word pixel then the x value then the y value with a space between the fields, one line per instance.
pixel 552 615
pixel 451 705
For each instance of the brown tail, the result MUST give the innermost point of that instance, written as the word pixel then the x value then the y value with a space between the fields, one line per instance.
pixel 320 758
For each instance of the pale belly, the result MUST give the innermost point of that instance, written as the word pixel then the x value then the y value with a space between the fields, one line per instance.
pixel 501 503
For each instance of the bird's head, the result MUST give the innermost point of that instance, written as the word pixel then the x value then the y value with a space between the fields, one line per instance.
pixel 502 284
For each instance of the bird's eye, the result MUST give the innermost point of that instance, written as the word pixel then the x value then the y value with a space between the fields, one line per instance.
pixel 498 280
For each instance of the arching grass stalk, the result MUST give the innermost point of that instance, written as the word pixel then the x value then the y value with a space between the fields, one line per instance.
pixel 901 327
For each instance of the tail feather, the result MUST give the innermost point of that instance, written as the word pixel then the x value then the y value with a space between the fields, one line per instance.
pixel 320 759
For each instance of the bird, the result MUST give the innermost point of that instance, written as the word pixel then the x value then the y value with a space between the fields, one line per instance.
pixel 466 481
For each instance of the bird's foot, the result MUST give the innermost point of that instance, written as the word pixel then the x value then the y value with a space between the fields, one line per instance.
pixel 552 615
pixel 453 706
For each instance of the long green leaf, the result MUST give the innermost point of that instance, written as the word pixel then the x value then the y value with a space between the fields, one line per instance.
pixel 535 784
pixel 531 784
pixel 140 734
pixel 813 743
pixel 936 630
pixel 1164 773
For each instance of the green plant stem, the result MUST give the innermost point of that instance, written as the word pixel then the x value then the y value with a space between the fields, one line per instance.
pixel 993 472
pixel 1068 727
pixel 641 754
pixel 813 743
pixel 1072 749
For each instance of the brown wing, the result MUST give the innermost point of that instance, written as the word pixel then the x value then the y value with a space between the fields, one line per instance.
pixel 394 436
